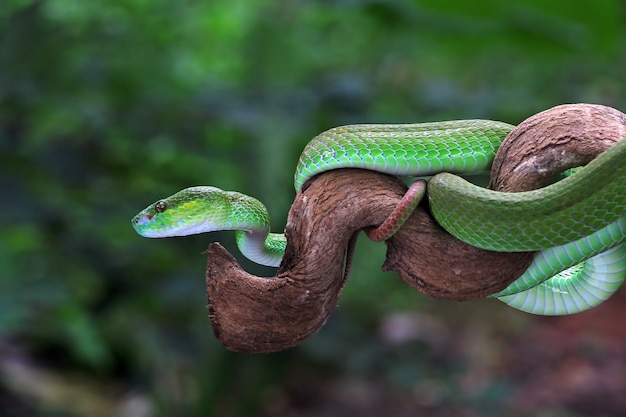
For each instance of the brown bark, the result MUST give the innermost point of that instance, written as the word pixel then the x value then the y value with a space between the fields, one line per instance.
pixel 252 314
pixel 552 141
pixel 255 314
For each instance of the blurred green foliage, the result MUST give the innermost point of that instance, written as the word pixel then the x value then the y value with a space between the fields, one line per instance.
pixel 107 106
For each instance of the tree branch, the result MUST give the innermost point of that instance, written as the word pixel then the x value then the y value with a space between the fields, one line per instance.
pixel 253 314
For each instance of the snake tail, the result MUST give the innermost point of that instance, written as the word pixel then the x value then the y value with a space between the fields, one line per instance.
pixel 400 214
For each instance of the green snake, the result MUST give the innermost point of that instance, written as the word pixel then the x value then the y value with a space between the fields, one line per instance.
pixel 577 225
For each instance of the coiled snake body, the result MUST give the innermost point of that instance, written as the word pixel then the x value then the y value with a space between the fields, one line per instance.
pixel 577 225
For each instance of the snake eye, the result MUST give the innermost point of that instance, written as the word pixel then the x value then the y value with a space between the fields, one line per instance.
pixel 160 207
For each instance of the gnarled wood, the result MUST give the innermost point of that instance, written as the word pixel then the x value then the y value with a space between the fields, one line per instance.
pixel 552 141
pixel 255 314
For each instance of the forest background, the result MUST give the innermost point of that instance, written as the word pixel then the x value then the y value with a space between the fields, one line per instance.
pixel 106 106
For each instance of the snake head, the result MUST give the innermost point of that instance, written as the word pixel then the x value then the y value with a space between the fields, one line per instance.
pixel 189 211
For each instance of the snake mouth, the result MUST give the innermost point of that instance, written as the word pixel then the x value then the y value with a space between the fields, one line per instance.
pixel 142 220
pixel 151 225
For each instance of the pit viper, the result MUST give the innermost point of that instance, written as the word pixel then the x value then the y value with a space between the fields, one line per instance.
pixel 576 225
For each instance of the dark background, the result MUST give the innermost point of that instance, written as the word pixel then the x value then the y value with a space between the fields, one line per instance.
pixel 106 106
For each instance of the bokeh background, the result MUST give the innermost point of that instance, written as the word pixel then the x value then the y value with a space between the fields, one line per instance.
pixel 106 106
